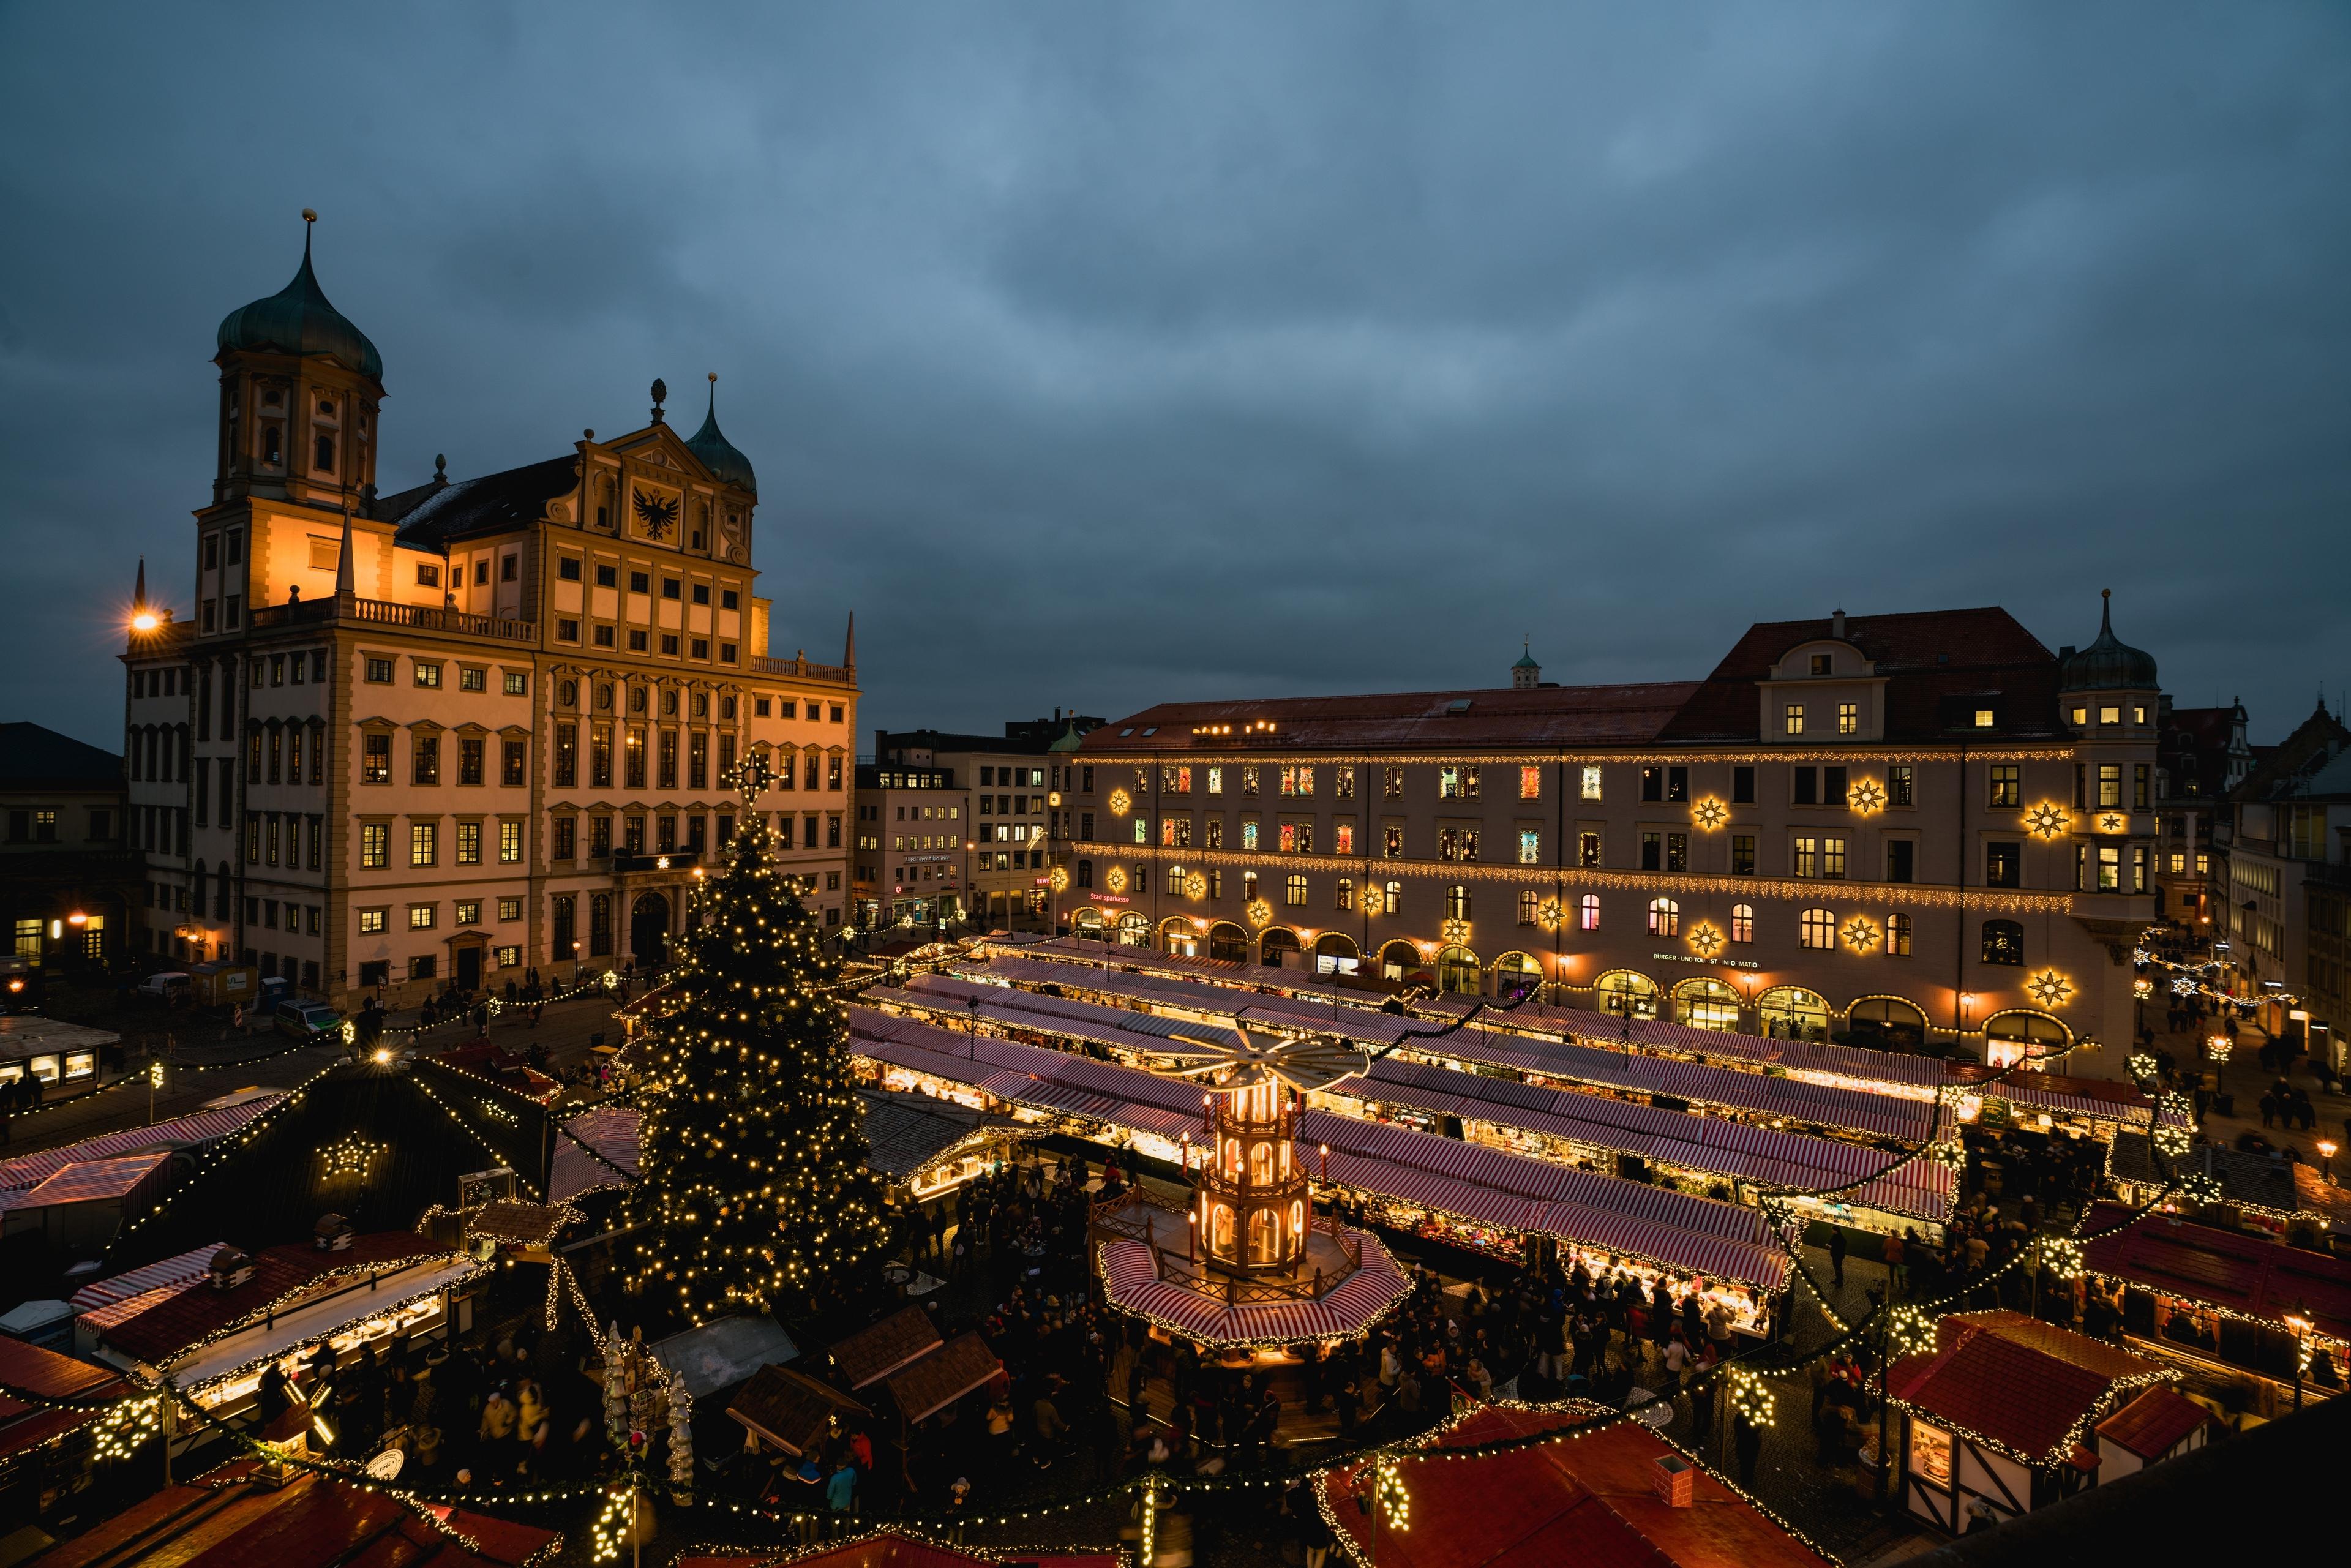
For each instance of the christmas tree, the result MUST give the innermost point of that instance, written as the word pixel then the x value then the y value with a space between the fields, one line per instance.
pixel 752 1186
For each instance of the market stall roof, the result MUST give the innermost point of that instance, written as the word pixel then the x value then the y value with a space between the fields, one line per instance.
pixel 95 1181
pixel 36 1034
pixel 1587 1501
pixel 725 1350
pixel 179 1133
pixel 872 1354
pixel 2024 1385
pixel 888 1548
pixel 311 1521
pixel 1130 1281
pixel 45 1375
pixel 175 1318
pixel 905 1132
pixel 2249 1180
pixel 2099 1099
pixel 596 1149
pixel 2229 1270
pixel 168 1275
pixel 929 1386
pixel 529 1224
pixel 790 1409
pixel 2152 1423
pixel 314 1314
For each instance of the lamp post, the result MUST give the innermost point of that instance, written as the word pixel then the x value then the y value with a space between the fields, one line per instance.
pixel 2327 1159
pixel 2298 1321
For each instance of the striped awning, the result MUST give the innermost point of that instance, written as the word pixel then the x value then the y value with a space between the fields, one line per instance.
pixel 102 1303
pixel 181 1132
pixel 1130 1281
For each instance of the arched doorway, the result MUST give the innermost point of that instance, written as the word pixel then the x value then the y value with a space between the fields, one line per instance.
pixel 1279 947
pixel 1706 1003
pixel 1086 920
pixel 1179 938
pixel 1458 970
pixel 649 930
pixel 1887 1023
pixel 1134 929
pixel 1792 1012
pixel 1628 993
pixel 1336 954
pixel 1228 942
pixel 1399 960
pixel 2021 1034
pixel 1517 974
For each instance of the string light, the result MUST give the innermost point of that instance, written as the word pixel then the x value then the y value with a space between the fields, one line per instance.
pixel 349 1155
pixel 1388 1494
pixel 1750 1397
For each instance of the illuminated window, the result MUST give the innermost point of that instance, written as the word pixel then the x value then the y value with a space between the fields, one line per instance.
pixel 2110 715
pixel 1817 929
pixel 2007 784
pixel 2110 784
pixel 1587 912
pixel 1457 902
pixel 1794 722
pixel 1742 922
pixel 1848 718
pixel 373 920
pixel 1530 906
pixel 510 843
pixel 1743 854
pixel 1343 835
pixel 1897 937
pixel 1215 781
pixel 1591 784
pixel 1344 783
pixel 421 917
pixel 1529 847
pixel 2003 942
pixel 1930 1454
pixel 1530 783
pixel 1833 857
pixel 1664 918
pixel 423 843
pixel 375 845
pixel 1248 833
pixel 1587 849
pixel 1293 892
pixel 1392 783
pixel 1983 719
pixel 1808 855
pixel 469 843
pixel 1392 842
pixel 1344 894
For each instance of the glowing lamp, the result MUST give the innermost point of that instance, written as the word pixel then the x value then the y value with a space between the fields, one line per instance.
pixel 78 918
pixel 145 621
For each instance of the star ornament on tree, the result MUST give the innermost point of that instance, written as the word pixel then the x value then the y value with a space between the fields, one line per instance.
pixel 2050 988
pixel 1861 934
pixel 1867 796
pixel 1705 940
pixel 2044 820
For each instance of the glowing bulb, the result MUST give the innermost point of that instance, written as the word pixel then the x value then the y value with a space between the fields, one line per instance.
pixel 145 621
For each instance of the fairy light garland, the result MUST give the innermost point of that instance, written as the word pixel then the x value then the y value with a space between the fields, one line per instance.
pixel 614 1525
pixel 1750 1397
pixel 214 1156
pixel 2188 979
pixel 350 1156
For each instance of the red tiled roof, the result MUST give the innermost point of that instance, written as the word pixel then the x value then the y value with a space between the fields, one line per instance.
pixel 1588 1502
pixel 47 1376
pixel 179 1321
pixel 2150 1425
pixel 2249 1274
pixel 1547 715
pixel 309 1524
pixel 2019 1382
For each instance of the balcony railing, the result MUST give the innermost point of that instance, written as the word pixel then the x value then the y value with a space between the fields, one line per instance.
pixel 805 669
pixel 384 613
pixel 1112 1216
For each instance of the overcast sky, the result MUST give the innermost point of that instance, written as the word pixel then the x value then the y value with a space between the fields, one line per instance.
pixel 1102 355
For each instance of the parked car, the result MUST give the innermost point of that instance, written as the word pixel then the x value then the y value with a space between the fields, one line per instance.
pixel 166 984
pixel 309 1020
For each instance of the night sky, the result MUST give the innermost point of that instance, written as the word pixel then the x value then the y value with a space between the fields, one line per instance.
pixel 1102 355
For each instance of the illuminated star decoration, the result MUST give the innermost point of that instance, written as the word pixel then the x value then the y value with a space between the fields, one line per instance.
pixel 2050 988
pixel 2142 987
pixel 1705 940
pixel 1119 802
pixel 1456 933
pixel 2185 986
pixel 1865 796
pixel 1860 934
pixel 2044 820
pixel 1116 879
pixel 1196 886
pixel 1371 900
pixel 1061 879
pixel 1549 915
pixel 1260 913
pixel 2112 822
pixel 1710 813
pixel 349 1155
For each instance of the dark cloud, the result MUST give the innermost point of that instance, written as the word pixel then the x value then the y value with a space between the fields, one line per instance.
pixel 1098 355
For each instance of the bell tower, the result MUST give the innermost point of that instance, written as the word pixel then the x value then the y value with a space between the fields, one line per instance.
pixel 300 385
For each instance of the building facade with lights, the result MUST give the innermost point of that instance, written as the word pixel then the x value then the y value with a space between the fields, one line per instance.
pixel 1899 828
pixel 67 879
pixel 470 729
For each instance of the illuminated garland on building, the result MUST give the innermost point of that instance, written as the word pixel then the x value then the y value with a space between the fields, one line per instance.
pixel 1987 753
pixel 1750 1397
pixel 2188 979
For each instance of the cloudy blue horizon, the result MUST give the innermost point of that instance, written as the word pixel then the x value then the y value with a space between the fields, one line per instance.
pixel 1098 356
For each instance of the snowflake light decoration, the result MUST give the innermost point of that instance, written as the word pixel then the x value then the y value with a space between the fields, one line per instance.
pixel 2184 987
pixel 1751 1396
pixel 2201 1188
pixel 2062 1256
pixel 2140 1065
pixel 1705 940
pixel 1456 933
pixel 1909 1331
pixel 1061 879
pixel 1260 913
pixel 2050 988
pixel 1710 813
pixel 1120 802
pixel 1861 934
pixel 2045 821
pixel 1196 886
pixel 2173 1140
pixel 1115 879
pixel 1549 915
pixel 1865 796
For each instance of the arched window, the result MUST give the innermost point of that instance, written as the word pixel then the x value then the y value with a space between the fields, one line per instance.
pixel 1261 1163
pixel 1293 892
pixel 1628 993
pixel 1792 1012
pixel 1706 1003
pixel 1818 929
pixel 1742 922
pixel 1261 1236
pixel 1085 873
pixel 1228 942
pixel 270 449
pixel 1664 918
pixel 1587 912
pixel 1458 970
pixel 1345 893
pixel 1134 929
pixel 1391 900
pixel 1221 1229
pixel 323 460
pixel 1887 1023
pixel 1457 902
pixel 1897 937
pixel 2003 942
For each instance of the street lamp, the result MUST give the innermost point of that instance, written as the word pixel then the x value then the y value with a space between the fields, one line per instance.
pixel 1967 1000
pixel 2327 1159
pixel 2298 1321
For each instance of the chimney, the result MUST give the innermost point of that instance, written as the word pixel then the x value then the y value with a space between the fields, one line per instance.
pixel 1675 1480
pixel 1836 624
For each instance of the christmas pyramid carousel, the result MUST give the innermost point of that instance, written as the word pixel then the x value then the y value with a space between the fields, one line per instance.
pixel 1247 1262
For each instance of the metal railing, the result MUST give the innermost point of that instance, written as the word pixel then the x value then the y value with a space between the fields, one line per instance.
pixel 385 612
pixel 806 669
pixel 1109 1215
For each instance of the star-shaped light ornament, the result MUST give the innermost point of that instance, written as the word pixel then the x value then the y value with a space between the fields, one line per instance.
pixel 1061 879
pixel 2045 821
pixel 2112 822
pixel 1456 933
pixel 1548 915
pixel 1861 934
pixel 1709 814
pixel 1115 880
pixel 1120 802
pixel 1196 886
pixel 1865 796
pixel 2050 988
pixel 1260 913
pixel 1705 940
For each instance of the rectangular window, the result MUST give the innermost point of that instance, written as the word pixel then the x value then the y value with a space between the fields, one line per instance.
pixel 1393 842
pixel 2141 781
pixel 1653 784
pixel 1529 847
pixel 1794 721
pixel 1743 854
pixel 633 744
pixel 1901 788
pixel 1591 787
pixel 1173 779
pixel 1986 718
pixel 423 843
pixel 510 764
pixel 1848 718
pixel 2110 868
pixel 1807 782
pixel 427 674
pixel 1530 908
pixel 2110 785
pixel 1808 855
pixel 1448 784
pixel 467 912
pixel 1678 784
pixel 567 838
pixel 375 758
pixel 1587 849
pixel 1215 781
pixel 1344 783
pixel 1249 832
pixel 469 759
pixel 1530 783
pixel 1833 857
pixel 379 671
pixel 472 678
pixel 2138 868
pixel 1343 837
pixel 2004 865
pixel 509 843
pixel 469 845
pixel 1392 783
pixel 375 845
pixel 1901 864
pixel 372 921
pixel 1833 787
pixel 1678 852
pixel 1742 786
pixel 697 760
pixel 421 917
pixel 2007 784
pixel 1652 852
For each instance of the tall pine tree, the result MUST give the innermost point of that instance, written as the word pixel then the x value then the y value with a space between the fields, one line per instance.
pixel 752 1184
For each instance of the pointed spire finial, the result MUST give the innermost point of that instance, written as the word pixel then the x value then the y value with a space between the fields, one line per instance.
pixel 848 651
pixel 346 580
pixel 138 592
pixel 661 396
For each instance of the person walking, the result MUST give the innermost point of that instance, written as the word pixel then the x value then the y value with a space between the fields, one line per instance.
pixel 1836 1254
pixel 1746 1445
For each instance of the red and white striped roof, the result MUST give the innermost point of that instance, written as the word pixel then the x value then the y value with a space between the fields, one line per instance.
pixel 160 1280
pixel 1131 1279
pixel 181 1132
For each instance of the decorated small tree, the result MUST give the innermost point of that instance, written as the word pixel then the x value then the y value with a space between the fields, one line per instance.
pixel 752 1186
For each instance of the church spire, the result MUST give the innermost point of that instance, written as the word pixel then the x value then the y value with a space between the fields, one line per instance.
pixel 344 577
pixel 849 650
pixel 139 591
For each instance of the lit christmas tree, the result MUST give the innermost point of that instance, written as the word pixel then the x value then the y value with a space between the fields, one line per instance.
pixel 752 1182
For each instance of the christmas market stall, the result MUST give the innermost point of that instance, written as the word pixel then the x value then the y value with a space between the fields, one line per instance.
pixel 1578 1485
pixel 2160 1424
pixel 48 1442
pixel 1996 1416
pixel 897 1548
pixel 2275 1319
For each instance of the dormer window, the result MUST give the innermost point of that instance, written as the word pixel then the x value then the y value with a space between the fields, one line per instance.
pixel 1984 718
pixel 1820 664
